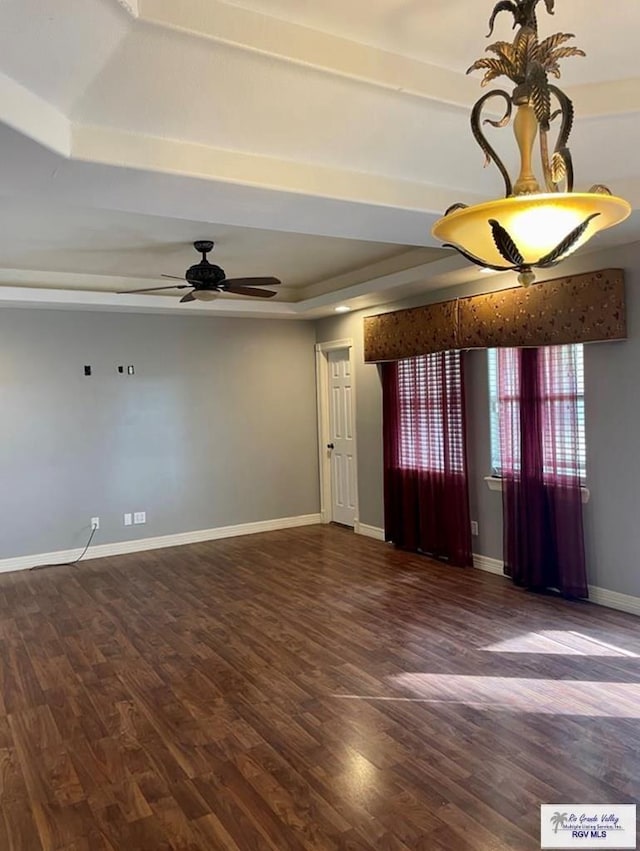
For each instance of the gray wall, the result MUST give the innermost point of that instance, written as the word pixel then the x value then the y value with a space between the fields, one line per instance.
pixel 369 405
pixel 612 517
pixel 217 426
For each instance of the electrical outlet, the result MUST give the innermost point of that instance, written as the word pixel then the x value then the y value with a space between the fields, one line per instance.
pixel 139 517
pixel 128 520
pixel 474 527
pixel 95 522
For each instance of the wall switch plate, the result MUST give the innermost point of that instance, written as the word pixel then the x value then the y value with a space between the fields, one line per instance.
pixel 128 520
pixel 87 369
pixel 474 527
pixel 130 369
pixel 121 370
pixel 95 522
pixel 139 517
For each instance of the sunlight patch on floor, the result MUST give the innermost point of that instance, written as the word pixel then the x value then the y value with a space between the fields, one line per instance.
pixel 591 699
pixel 559 642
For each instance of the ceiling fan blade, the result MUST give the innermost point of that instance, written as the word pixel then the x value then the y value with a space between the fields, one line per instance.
pixel 238 290
pixel 253 282
pixel 153 289
pixel 173 277
pixel 187 297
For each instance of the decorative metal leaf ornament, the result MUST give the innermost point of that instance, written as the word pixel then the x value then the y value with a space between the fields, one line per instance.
pixel 530 46
pixel 550 43
pixel 502 6
pixel 473 259
pixel 540 94
pixel 505 244
pixel 454 207
pixel 565 53
pixel 600 189
pixel 567 244
pixel 494 68
pixel 503 49
pixel 481 139
pixel 567 112
pixel 558 167
pixel 525 47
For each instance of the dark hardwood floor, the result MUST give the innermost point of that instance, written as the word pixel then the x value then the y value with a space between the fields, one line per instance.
pixel 306 689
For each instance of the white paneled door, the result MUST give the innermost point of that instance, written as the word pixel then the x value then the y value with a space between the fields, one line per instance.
pixel 341 445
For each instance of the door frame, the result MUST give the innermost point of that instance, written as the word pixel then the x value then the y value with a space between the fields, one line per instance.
pixel 322 393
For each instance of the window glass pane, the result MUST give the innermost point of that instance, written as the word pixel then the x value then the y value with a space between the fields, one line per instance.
pixel 563 408
pixel 431 427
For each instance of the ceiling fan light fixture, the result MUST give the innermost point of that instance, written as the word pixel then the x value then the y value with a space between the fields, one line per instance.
pixel 205 295
pixel 530 227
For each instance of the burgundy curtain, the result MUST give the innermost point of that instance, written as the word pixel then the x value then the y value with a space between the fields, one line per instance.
pixel 541 476
pixel 425 466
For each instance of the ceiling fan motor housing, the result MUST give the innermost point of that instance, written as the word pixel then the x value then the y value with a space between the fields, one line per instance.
pixel 205 274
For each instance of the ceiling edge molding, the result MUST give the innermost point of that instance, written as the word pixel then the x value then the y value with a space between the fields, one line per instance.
pixel 382 293
pixel 253 31
pixel 130 6
pixel 402 262
pixel 79 282
pixel 37 118
pixel 452 272
pixel 152 153
pixel 599 100
pixel 34 117
pixel 106 301
pixel 434 273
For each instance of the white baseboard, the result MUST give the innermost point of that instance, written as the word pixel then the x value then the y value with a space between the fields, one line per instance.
pixel 142 544
pixel 369 531
pixel 614 600
pixel 489 565
pixel 599 596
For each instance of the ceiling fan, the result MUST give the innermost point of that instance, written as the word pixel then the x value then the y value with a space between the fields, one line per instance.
pixel 206 280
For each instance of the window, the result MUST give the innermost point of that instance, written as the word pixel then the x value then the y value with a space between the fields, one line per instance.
pixel 559 384
pixel 430 413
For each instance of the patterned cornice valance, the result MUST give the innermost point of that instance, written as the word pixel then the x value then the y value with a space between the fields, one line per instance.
pixel 580 309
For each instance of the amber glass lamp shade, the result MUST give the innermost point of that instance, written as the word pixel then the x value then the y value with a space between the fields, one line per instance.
pixel 537 224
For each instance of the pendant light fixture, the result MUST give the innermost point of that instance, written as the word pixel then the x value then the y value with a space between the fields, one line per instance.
pixel 533 226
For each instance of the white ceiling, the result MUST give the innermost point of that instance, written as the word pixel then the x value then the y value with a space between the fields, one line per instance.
pixel 56 48
pixel 106 250
pixel 449 34
pixel 314 141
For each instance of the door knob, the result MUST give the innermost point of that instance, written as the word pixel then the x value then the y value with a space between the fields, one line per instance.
pixel 330 446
